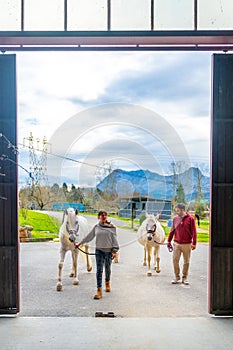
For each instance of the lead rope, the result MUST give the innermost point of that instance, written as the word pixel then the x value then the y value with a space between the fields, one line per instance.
pixel 84 251
pixel 169 245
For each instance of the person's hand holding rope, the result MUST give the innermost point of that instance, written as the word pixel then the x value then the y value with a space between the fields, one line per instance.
pixel 169 247
pixel 114 255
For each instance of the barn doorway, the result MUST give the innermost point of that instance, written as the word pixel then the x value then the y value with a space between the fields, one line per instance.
pixel 30 297
pixel 110 26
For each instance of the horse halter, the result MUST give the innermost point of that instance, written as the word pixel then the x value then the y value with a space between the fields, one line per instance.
pixel 72 232
pixel 151 231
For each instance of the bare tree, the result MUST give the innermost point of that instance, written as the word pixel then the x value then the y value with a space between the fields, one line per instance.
pixel 202 170
pixel 42 195
pixel 177 169
pixel 106 173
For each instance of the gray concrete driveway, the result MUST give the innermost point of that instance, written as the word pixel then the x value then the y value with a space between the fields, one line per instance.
pixel 133 293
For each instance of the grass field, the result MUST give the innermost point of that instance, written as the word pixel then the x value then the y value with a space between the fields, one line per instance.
pixel 202 231
pixel 44 226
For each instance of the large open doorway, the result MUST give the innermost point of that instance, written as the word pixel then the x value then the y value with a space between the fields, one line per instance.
pixel 147 40
pixel 129 274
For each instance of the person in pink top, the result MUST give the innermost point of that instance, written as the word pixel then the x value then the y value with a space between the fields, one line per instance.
pixel 184 233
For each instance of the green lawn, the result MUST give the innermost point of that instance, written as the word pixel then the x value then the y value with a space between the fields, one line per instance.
pixel 44 226
pixel 205 224
pixel 201 236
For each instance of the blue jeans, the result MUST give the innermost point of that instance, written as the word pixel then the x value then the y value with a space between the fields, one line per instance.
pixel 103 259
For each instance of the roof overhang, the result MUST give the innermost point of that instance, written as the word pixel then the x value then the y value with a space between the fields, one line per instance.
pixel 201 40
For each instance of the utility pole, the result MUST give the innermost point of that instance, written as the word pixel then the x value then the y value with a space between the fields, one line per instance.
pixel 38 150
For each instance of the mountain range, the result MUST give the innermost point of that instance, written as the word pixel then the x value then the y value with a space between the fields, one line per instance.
pixel 148 183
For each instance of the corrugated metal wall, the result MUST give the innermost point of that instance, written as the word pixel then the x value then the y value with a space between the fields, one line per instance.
pixel 9 276
pixel 221 247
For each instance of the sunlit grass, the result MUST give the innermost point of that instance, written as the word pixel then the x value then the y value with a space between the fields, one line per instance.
pixel 44 226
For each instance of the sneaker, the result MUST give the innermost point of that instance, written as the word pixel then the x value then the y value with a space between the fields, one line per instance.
pixel 175 280
pixel 185 281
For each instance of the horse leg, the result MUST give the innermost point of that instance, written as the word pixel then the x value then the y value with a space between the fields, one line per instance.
pixel 144 261
pixel 155 256
pixel 157 259
pixel 72 269
pixel 60 266
pixel 88 259
pixel 75 267
pixel 73 273
pixel 149 251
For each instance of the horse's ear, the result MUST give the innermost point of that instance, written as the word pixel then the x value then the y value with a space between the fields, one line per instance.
pixel 147 215
pixel 66 212
pixel 76 211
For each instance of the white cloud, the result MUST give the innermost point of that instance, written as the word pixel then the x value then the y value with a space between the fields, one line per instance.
pixel 54 87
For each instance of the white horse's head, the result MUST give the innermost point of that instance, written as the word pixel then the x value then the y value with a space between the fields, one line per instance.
pixel 70 220
pixel 151 225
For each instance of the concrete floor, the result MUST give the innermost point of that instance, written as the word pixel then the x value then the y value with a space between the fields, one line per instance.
pixel 151 313
pixel 32 333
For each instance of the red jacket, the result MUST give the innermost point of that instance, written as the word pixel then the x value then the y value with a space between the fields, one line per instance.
pixel 183 230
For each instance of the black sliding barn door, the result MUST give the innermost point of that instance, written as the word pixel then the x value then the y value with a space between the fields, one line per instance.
pixel 9 269
pixel 221 248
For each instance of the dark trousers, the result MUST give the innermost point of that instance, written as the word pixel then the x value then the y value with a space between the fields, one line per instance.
pixel 103 259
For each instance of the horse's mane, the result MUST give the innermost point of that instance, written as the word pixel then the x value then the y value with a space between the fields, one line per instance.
pixel 70 216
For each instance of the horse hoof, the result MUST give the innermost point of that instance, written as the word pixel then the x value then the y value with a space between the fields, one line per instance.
pixel 144 264
pixel 158 271
pixel 71 274
pixel 75 282
pixel 89 269
pixel 59 287
pixel 149 273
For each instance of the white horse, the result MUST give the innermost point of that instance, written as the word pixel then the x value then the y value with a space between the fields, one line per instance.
pixel 151 235
pixel 73 229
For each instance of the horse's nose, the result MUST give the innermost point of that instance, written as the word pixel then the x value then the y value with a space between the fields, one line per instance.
pixel 149 238
pixel 71 238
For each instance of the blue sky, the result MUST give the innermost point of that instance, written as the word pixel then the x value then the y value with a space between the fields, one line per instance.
pixel 59 91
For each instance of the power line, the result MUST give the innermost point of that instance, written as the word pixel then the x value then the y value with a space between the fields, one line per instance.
pixel 99 166
pixel 86 163
pixel 4 157
pixel 9 144
pixel 68 158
